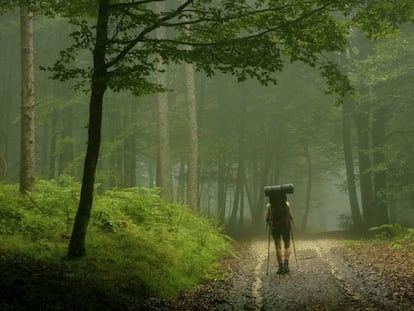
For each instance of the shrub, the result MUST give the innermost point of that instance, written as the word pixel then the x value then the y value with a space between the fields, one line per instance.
pixel 387 231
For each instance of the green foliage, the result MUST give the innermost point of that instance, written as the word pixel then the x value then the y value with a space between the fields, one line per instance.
pixel 45 214
pixel 173 248
pixel 136 241
pixel 380 18
pixel 7 5
pixel 247 39
pixel 387 231
pixel 10 214
pixel 394 235
pixel 409 234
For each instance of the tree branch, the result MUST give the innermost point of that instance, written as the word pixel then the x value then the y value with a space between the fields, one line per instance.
pixel 399 132
pixel 132 44
pixel 132 4
pixel 223 42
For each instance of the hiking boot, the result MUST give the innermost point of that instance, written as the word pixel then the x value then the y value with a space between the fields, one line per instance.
pixel 281 269
pixel 286 267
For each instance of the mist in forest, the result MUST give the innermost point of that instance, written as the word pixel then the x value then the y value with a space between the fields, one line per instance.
pixel 249 135
pixel 147 150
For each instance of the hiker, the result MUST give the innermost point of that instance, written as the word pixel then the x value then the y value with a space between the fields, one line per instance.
pixel 279 218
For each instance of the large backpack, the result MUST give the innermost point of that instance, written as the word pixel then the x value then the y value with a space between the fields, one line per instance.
pixel 279 215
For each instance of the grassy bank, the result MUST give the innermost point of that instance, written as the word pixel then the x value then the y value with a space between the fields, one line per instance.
pixel 137 246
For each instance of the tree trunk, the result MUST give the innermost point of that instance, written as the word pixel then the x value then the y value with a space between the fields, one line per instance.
pixel 181 197
pixel 259 214
pixel 165 182
pixel 220 131
pixel 241 215
pixel 201 88
pixel 252 191
pixel 129 145
pixel 380 175
pixel 66 143
pixel 6 93
pixel 221 191
pixel 349 165
pixel 98 88
pixel 192 183
pixel 308 188
pixel 130 160
pixel 240 168
pixel 44 152
pixel 113 167
pixel 249 194
pixel 151 173
pixel 209 198
pixel 364 163
pixel 265 169
pixel 53 141
pixel 27 140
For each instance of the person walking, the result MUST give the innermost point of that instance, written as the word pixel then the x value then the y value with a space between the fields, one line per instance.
pixel 279 218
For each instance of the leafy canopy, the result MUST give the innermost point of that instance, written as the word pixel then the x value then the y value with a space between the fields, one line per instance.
pixel 379 18
pixel 249 39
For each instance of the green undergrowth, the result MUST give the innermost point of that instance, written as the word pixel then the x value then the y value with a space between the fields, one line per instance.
pixel 395 235
pixel 137 245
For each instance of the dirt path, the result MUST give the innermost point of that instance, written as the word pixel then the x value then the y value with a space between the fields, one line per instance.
pixel 324 279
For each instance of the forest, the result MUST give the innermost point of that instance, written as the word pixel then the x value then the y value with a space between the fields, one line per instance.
pixel 136 137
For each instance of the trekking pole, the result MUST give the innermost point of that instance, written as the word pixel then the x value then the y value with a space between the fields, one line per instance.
pixel 293 243
pixel 268 251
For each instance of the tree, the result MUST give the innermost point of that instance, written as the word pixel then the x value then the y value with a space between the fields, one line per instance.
pixel 308 186
pixel 240 175
pixel 11 85
pixel 379 71
pixel 192 167
pixel 98 88
pixel 234 37
pixel 349 164
pixel 27 141
pixel 193 144
pixel 165 180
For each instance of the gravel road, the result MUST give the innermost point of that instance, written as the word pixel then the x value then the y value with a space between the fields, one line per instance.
pixel 324 278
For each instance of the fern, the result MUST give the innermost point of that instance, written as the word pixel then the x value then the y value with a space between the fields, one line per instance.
pixel 134 238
